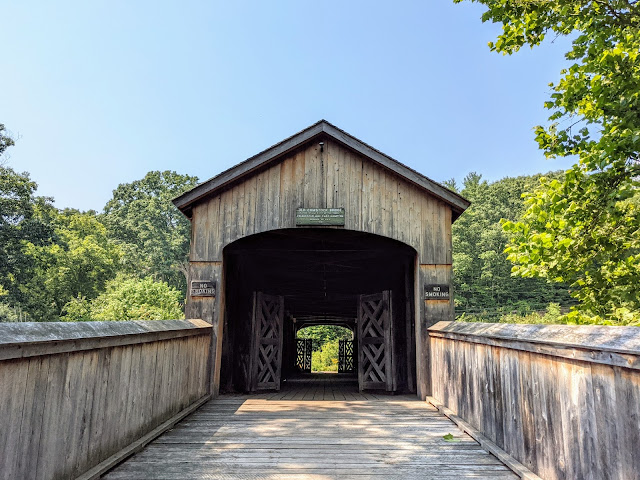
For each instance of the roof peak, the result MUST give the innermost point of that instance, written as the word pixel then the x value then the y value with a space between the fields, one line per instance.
pixel 185 201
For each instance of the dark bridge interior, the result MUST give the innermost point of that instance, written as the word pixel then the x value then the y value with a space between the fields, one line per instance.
pixel 320 273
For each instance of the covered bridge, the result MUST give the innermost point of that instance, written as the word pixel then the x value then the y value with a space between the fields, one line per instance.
pixel 321 228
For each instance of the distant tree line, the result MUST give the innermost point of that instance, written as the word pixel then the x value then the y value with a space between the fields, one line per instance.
pixel 484 285
pixel 325 344
pixel 126 262
pixel 583 228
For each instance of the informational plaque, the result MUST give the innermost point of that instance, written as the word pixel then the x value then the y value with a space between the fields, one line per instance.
pixel 320 216
pixel 436 292
pixel 203 288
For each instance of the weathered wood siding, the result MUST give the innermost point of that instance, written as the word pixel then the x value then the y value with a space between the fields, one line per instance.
pixel 563 400
pixel 73 394
pixel 375 200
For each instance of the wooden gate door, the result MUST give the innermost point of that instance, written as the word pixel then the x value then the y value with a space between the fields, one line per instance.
pixel 375 365
pixel 266 343
pixel 304 349
pixel 345 356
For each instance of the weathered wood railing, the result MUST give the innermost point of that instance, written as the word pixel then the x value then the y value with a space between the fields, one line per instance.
pixel 562 400
pixel 76 398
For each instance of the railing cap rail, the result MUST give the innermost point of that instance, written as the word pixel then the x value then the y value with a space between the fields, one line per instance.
pixel 592 337
pixel 28 339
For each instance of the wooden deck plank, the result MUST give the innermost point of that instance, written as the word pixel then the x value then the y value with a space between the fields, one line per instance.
pixel 314 428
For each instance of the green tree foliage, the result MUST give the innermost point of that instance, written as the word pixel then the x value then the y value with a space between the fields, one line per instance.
pixel 79 262
pixel 325 345
pixel 152 232
pixel 483 283
pixel 12 314
pixel 24 220
pixel 583 229
pixel 54 263
pixel 322 334
pixel 6 140
pixel 326 359
pixel 128 298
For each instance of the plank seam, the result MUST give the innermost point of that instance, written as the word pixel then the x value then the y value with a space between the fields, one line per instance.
pixel 514 465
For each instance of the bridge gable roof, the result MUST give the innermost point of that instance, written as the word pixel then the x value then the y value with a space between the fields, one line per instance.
pixel 317 131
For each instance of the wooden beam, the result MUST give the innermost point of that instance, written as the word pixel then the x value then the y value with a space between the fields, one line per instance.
pixel 615 346
pixel 29 339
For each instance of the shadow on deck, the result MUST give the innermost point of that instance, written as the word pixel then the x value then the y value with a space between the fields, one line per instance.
pixel 316 427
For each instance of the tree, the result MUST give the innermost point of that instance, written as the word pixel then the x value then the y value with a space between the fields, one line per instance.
pixel 322 334
pixel 583 229
pixel 24 219
pixel 6 140
pixel 152 232
pixel 483 283
pixel 79 262
pixel 128 298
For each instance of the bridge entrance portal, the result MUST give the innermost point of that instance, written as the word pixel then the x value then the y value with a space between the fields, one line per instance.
pixel 279 282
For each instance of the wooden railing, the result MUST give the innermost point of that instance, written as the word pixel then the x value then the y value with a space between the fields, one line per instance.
pixel 76 398
pixel 562 400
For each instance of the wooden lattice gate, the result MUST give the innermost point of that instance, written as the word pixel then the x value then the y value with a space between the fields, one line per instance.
pixel 345 356
pixel 304 349
pixel 375 365
pixel 266 344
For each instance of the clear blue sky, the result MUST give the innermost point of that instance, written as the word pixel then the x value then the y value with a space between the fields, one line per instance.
pixel 100 92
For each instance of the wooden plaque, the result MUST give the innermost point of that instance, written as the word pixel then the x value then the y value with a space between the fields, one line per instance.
pixel 320 216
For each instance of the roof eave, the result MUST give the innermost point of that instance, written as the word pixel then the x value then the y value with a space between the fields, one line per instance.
pixel 184 202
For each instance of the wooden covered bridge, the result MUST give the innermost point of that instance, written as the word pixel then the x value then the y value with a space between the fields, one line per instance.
pixel 320 229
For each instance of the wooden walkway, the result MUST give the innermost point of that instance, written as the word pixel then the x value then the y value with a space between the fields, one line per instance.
pixel 315 428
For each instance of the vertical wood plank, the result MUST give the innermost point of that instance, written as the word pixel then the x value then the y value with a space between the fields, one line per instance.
pixel 198 232
pixel 512 421
pixel 298 187
pixel 134 411
pixel 250 192
pixel 627 394
pixel 427 248
pixel 67 442
pixel 77 460
pixel 54 432
pixel 570 427
pixel 367 193
pixel 234 215
pixel 273 220
pixel 33 416
pixel 609 424
pixel 262 205
pixel 287 209
pixel 356 189
pixel 527 391
pixel 437 232
pixel 214 232
pixel 13 392
pixel 342 172
pixel 376 200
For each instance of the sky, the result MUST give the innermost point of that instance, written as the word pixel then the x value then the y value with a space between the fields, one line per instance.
pixel 99 93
